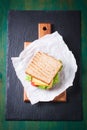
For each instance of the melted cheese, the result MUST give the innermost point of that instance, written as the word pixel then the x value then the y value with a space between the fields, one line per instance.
pixel 38 82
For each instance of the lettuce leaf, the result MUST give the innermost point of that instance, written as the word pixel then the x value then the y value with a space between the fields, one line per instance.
pixel 56 79
pixel 42 87
pixel 28 77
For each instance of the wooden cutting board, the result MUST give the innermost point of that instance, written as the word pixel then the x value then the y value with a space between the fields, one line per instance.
pixel 43 29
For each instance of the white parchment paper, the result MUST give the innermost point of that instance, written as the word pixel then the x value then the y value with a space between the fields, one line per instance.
pixel 54 45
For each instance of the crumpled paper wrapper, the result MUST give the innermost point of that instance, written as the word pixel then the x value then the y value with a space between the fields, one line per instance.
pixel 54 45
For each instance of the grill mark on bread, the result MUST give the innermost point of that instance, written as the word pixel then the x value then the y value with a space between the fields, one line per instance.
pixel 35 74
pixel 43 67
pixel 38 70
pixel 40 67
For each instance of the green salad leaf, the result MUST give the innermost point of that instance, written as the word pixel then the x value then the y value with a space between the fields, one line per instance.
pixel 56 79
pixel 42 87
pixel 28 77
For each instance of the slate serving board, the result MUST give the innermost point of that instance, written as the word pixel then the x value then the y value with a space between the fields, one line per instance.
pixel 22 26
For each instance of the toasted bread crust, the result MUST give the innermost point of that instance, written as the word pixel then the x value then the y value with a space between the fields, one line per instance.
pixel 43 67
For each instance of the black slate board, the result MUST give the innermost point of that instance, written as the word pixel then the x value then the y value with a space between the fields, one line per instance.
pixel 22 26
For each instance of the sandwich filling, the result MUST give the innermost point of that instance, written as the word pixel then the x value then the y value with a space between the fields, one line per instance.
pixel 42 85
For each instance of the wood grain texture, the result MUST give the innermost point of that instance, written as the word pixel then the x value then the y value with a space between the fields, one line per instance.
pixel 5 6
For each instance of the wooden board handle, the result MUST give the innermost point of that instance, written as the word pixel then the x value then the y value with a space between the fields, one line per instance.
pixel 43 29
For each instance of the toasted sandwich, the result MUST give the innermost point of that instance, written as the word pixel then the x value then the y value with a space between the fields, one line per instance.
pixel 43 70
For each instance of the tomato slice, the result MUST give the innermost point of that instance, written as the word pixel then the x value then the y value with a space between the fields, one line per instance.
pixel 32 83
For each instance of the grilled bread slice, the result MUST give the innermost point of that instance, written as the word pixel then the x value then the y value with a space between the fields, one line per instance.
pixel 43 67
